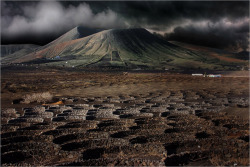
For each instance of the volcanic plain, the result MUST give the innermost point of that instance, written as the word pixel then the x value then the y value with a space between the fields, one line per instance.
pixel 117 118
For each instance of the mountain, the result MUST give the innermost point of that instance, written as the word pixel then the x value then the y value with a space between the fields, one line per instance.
pixel 123 48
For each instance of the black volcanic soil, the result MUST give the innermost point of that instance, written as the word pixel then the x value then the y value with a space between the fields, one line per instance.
pixel 137 119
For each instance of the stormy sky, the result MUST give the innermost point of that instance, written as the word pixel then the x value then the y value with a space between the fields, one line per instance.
pixel 223 24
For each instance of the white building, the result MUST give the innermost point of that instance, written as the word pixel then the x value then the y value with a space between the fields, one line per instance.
pixel 197 75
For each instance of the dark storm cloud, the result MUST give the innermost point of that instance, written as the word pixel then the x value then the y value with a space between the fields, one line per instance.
pixel 222 34
pixel 185 21
pixel 214 24
pixel 166 13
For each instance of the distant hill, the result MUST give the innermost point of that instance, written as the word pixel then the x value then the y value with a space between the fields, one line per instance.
pixel 124 48
pixel 218 53
pixel 10 49
pixel 243 55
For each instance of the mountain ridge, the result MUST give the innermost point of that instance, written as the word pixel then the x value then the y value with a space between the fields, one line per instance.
pixel 75 33
pixel 125 48
pixel 133 45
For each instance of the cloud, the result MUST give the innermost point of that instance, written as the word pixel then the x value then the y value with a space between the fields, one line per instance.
pixel 215 24
pixel 210 23
pixel 53 18
pixel 165 14
pixel 223 34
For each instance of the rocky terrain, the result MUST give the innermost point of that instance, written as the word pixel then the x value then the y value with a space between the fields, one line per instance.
pixel 133 119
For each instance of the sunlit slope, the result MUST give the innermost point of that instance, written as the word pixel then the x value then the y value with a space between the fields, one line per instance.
pixel 129 48
pixel 75 33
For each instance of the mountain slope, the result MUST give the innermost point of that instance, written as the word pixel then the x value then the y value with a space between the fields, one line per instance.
pixel 129 48
pixel 119 47
pixel 75 33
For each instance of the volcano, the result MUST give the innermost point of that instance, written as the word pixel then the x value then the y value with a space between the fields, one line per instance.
pixel 123 48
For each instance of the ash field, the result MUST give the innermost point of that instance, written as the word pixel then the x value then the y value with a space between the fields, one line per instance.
pixel 123 97
pixel 65 117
